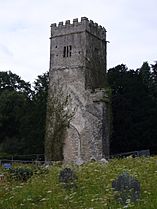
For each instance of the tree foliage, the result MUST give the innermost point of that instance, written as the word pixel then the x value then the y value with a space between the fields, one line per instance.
pixel 22 114
pixel 134 109
pixel 12 82
pixel 39 108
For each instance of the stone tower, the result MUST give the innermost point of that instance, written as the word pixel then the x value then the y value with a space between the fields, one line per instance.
pixel 78 62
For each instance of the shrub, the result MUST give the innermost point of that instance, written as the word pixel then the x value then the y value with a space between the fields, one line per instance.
pixel 21 174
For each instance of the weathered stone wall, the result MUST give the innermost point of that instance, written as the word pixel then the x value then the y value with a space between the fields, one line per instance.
pixel 78 63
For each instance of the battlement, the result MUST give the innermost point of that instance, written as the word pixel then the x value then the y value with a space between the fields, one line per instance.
pixel 76 27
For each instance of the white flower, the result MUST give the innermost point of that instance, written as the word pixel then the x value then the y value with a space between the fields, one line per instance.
pixel 49 191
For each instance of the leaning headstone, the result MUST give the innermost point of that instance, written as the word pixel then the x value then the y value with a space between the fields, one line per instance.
pixel 127 188
pixel 68 178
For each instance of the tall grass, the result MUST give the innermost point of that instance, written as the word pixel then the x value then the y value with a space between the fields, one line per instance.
pixel 93 187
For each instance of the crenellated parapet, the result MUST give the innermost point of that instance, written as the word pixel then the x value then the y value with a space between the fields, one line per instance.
pixel 85 25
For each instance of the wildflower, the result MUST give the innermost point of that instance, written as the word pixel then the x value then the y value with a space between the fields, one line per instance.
pixel 128 201
pixel 29 199
pixel 66 197
pixel 44 199
pixel 49 191
pixel 19 186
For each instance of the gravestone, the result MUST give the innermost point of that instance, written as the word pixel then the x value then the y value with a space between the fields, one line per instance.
pixel 68 178
pixel 127 187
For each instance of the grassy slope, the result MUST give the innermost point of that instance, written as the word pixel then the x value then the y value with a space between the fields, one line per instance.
pixel 93 187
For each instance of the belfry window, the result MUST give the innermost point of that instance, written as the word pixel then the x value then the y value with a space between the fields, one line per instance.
pixel 67 51
pixel 64 51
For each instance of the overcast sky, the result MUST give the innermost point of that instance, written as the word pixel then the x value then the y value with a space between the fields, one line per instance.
pixel 25 30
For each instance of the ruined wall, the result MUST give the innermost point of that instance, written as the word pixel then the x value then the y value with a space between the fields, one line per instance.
pixel 78 64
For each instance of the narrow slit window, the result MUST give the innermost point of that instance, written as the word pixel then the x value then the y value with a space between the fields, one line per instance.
pixel 70 48
pixel 67 51
pixel 64 51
